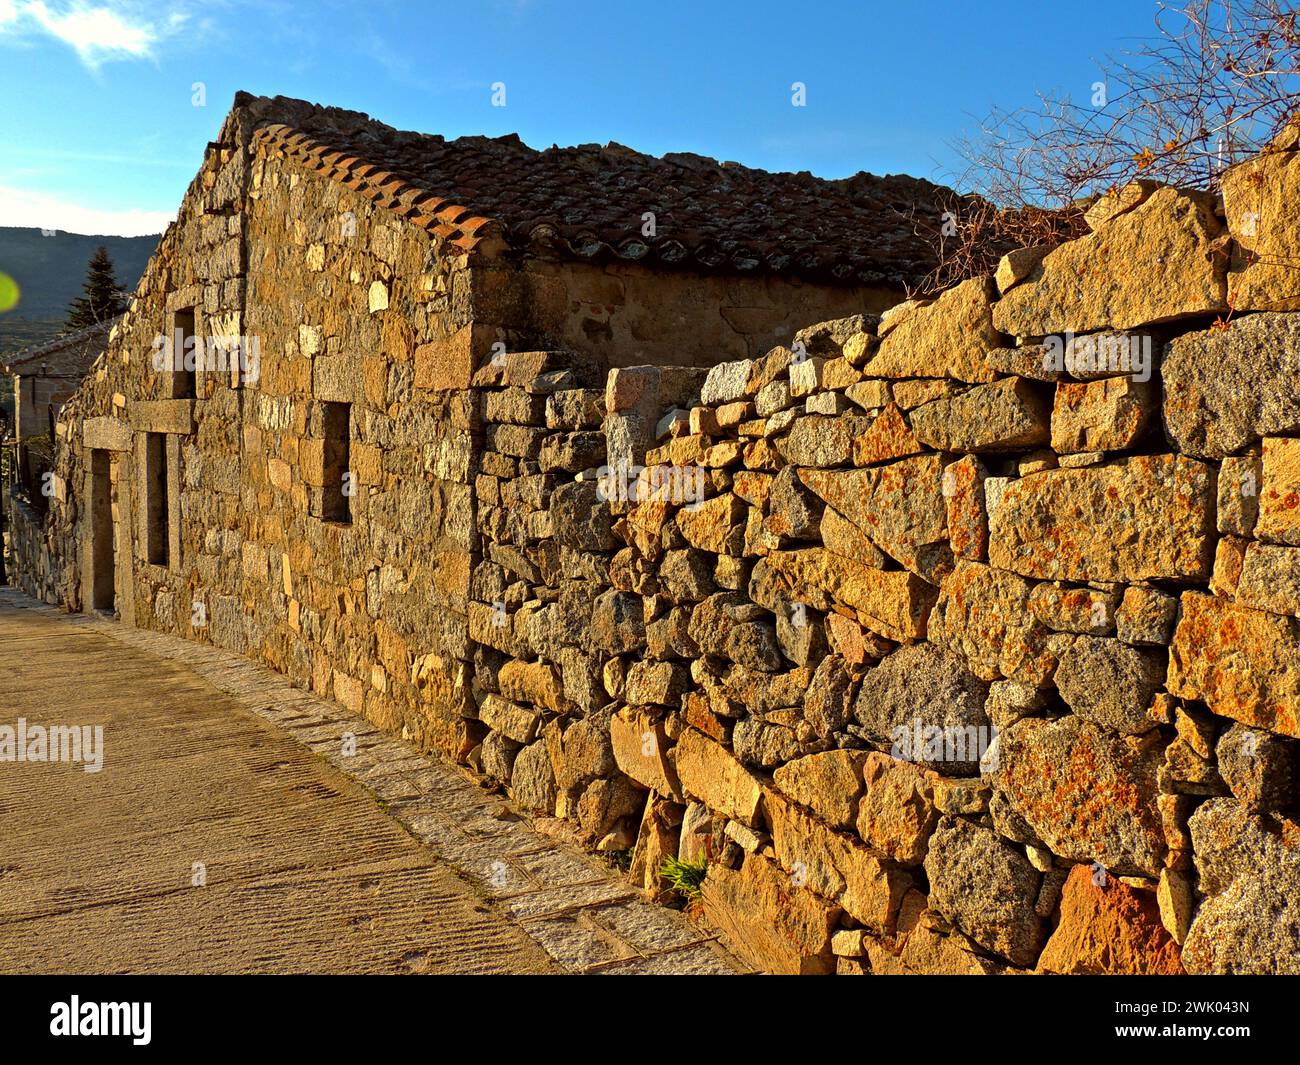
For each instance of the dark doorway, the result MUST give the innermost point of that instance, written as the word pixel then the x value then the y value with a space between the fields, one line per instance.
pixel 103 569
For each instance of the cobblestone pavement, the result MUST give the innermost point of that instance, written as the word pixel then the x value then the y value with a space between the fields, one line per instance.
pixel 385 860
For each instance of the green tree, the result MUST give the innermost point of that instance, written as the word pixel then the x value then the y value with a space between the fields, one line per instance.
pixel 103 299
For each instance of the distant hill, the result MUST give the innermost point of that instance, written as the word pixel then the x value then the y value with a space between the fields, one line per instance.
pixel 50 270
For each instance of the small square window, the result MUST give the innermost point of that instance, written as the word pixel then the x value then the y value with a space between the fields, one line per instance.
pixel 157 516
pixel 183 354
pixel 336 500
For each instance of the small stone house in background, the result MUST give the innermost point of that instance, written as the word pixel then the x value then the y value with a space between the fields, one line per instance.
pixel 47 374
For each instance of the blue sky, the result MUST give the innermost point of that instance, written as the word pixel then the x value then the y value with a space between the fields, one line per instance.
pixel 99 131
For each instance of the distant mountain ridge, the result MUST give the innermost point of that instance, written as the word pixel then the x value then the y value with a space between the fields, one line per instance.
pixel 49 271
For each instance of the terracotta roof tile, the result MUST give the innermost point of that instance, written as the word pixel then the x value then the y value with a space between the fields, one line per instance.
pixel 588 201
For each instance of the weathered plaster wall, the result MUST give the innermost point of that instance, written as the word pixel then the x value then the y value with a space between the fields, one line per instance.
pixel 625 315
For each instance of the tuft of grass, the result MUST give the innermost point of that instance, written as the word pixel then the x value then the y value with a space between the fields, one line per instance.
pixel 686 877
pixel 619 859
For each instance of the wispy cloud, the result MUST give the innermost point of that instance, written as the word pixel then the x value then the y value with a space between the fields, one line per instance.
pixel 98 31
pixel 145 153
pixel 23 207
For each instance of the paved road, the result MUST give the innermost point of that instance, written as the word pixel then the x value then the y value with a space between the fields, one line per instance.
pixel 228 832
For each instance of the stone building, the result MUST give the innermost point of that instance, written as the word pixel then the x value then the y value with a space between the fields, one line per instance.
pixel 299 482
pixel 958 637
pixel 47 374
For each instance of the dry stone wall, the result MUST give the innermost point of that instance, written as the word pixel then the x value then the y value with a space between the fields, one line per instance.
pixel 33 562
pixel 955 639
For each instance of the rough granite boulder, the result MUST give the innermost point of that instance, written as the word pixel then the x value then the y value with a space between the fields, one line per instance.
pixel 1170 269
pixel 1008 415
pixel 1238 661
pixel 984 614
pixel 580 518
pixel 1087 793
pixel 532 779
pixel 1108 928
pixel 829 698
pixel 1279 494
pixel 894 603
pixel 751 643
pixel 829 338
pixel 640 748
pixel 944 338
pixel 1252 928
pixel 726 382
pixel 927 950
pixel 1257 766
pixel 924 705
pixel 1146 616
pixel 897 812
pixel 900 507
pixel 963 494
pixel 835 865
pixel 986 887
pixel 715 525
pixel 1239 482
pixel 793 512
pixel 710 773
pixel 829 784
pixel 1259 197
pixel 1106 415
pixel 1110 683
pixel 818 440
pixel 1250 871
pixel 1070 608
pixel 1149 516
pixel 686 576
pixel 764 744
pixel 775 926
pixel 1227 388
pixel 1270 578
pixel 889 437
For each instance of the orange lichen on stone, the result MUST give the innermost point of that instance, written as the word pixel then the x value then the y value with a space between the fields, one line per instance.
pixel 1109 928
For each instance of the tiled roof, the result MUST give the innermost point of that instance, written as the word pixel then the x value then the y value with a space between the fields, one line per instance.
pixel 92 339
pixel 588 202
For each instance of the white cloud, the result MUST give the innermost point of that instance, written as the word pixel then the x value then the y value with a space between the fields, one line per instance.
pixel 22 207
pixel 97 31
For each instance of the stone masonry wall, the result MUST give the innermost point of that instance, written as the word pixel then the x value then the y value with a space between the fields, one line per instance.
pixel 372 610
pixel 957 639
pixel 25 531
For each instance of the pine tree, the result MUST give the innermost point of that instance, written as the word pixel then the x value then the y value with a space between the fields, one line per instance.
pixel 103 299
